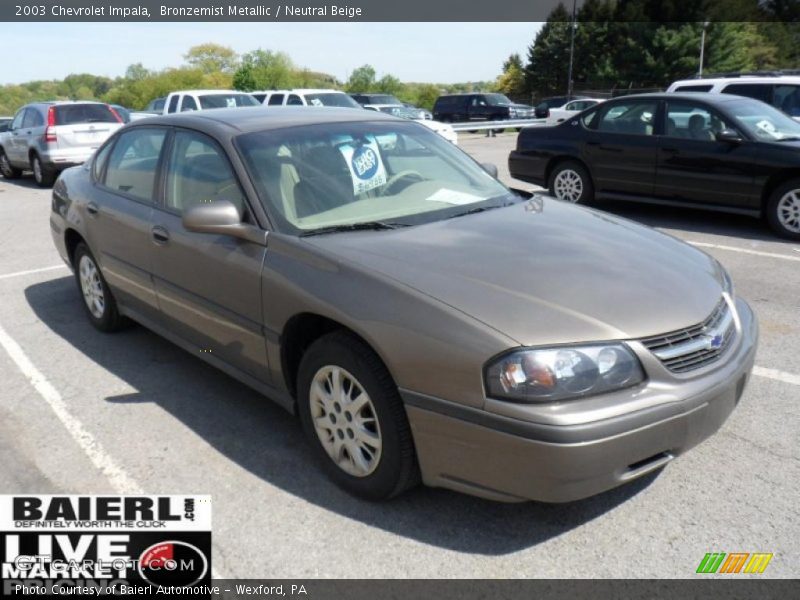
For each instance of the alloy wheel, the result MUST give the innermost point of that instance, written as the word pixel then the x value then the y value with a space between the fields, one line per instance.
pixel 789 211
pixel 568 186
pixel 345 421
pixel 37 169
pixel 92 287
pixel 5 166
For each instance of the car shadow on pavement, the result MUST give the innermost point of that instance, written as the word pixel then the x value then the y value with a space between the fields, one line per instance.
pixel 26 181
pixel 262 438
pixel 694 220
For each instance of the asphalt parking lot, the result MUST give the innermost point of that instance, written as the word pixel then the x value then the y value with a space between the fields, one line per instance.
pixel 84 412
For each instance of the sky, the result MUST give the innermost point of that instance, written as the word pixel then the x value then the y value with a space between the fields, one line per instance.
pixel 419 52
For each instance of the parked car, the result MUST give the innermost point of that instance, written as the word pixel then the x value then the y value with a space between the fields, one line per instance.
pixel 127 115
pixel 455 108
pixel 571 108
pixel 189 100
pixel 306 97
pixel 4 123
pixel 712 151
pixel 424 321
pixel 156 105
pixel 781 91
pixel 47 137
pixel 399 110
pixel 542 110
pixel 377 100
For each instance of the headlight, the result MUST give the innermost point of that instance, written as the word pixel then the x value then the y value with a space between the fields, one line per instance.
pixel 548 374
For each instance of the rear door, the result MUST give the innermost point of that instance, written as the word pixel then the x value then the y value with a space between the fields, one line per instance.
pixel 621 147
pixel 83 126
pixel 694 167
pixel 208 286
pixel 119 217
pixel 16 148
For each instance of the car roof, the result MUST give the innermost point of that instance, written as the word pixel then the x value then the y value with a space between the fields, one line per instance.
pixel 748 79
pixel 694 96
pixel 249 119
pixel 209 92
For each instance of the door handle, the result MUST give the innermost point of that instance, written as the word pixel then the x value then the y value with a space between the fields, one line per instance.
pixel 160 234
pixel 92 209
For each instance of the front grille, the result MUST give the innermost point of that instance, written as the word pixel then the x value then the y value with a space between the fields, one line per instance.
pixel 697 346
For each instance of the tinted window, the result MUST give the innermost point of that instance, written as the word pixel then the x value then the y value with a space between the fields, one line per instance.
pixel 294 100
pixel 759 91
pixel 259 97
pixel 275 100
pixel 100 159
pixel 763 121
pixel 693 88
pixel 188 103
pixel 198 172
pixel 17 122
pixel 227 100
pixel 787 98
pixel 173 104
pixel 331 99
pixel 157 104
pixel 32 118
pixel 693 121
pixel 71 114
pixel 449 102
pixel 133 161
pixel 628 117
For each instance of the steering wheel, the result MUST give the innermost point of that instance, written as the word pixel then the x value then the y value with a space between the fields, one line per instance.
pixel 410 175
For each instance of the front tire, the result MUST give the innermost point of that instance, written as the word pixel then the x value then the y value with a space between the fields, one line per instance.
pixel 570 181
pixel 352 415
pixel 99 302
pixel 7 169
pixel 783 210
pixel 43 176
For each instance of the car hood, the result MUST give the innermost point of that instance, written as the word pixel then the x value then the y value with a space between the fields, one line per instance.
pixel 544 271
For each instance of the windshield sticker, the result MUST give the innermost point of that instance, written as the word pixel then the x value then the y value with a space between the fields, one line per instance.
pixel 230 102
pixel 316 102
pixel 453 197
pixel 365 164
pixel 767 127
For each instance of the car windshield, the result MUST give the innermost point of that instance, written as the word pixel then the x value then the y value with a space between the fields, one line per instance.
pixel 764 122
pixel 383 99
pixel 401 111
pixel 344 174
pixel 226 100
pixel 497 99
pixel 331 99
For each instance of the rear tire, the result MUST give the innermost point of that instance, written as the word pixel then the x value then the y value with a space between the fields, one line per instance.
pixel 43 176
pixel 571 182
pixel 783 210
pixel 354 418
pixel 98 301
pixel 7 169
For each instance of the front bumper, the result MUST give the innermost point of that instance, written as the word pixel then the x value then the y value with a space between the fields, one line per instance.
pixel 505 459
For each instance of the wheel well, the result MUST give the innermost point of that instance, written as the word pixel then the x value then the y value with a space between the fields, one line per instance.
pixel 551 166
pixel 776 181
pixel 299 333
pixel 71 240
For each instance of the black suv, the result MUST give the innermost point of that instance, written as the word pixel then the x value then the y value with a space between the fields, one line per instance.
pixel 716 151
pixel 454 108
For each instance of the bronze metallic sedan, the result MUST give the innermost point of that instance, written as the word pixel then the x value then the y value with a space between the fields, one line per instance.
pixel 424 321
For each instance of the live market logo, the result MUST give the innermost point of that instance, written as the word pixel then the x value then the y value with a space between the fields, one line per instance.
pixel 108 544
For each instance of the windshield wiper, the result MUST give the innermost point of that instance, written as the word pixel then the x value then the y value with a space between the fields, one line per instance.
pixel 365 226
pixel 479 209
pixel 789 138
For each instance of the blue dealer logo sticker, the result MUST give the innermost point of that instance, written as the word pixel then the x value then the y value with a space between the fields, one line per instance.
pixel 365 163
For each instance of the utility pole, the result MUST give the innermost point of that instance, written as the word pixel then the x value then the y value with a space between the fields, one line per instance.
pixel 702 48
pixel 571 50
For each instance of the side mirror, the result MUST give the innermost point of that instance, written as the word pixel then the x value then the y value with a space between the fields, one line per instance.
pixel 541 111
pixel 490 168
pixel 221 217
pixel 728 136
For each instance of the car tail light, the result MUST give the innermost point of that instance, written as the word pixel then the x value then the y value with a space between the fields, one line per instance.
pixel 115 113
pixel 49 132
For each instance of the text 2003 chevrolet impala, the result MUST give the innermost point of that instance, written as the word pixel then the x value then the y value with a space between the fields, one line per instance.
pixel 422 319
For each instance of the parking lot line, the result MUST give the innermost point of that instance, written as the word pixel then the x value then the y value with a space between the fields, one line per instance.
pixel 777 375
pixel 31 271
pixel 743 250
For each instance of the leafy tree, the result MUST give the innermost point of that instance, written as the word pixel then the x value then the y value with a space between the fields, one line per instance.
pixel 264 70
pixel 361 80
pixel 512 81
pixel 212 58
pixel 548 56
pixel 388 84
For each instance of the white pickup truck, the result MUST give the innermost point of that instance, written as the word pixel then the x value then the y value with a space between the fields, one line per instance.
pixel 189 100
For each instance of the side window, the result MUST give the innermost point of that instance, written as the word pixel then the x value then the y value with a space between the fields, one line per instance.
pixel 632 118
pixel 18 118
pixel 259 97
pixel 188 103
pixel 787 99
pixel 294 100
pixel 100 158
pixel 173 104
pixel 133 161
pixel 759 91
pixel 198 172
pixel 693 88
pixel 275 100
pixel 30 118
pixel 693 121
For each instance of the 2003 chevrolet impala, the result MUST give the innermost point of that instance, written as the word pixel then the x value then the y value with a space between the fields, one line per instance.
pixel 423 320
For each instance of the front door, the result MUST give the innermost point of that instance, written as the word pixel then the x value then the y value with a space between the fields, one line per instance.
pixel 208 285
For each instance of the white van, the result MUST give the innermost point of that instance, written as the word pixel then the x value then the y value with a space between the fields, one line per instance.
pixel 781 91
pixel 305 97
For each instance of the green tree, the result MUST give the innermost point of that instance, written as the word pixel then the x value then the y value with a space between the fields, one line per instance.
pixel 548 56
pixel 512 81
pixel 212 58
pixel 388 84
pixel 264 70
pixel 361 80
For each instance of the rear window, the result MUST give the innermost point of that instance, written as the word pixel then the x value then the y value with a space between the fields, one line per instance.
pixel 226 100
pixel 71 114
